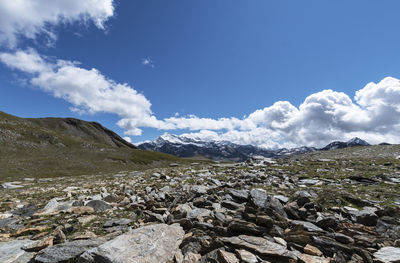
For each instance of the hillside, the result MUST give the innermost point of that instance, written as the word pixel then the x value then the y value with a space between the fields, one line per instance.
pixel 66 146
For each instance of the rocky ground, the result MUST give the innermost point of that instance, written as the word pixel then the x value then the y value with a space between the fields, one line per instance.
pixel 285 210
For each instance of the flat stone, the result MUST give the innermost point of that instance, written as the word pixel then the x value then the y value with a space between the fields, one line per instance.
pixel 311 250
pixel 199 212
pixel 260 245
pixel 66 251
pixel 310 227
pixel 12 251
pixel 227 257
pixel 151 243
pixel 11 185
pixel 388 254
pixel 246 256
pixel 99 205
pixel 117 222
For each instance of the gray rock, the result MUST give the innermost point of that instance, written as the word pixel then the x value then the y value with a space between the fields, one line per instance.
pixel 151 243
pixel 199 212
pixel 245 256
pixel 261 199
pixel 199 189
pixel 117 222
pixel 11 252
pixel 388 254
pixel 310 227
pixel 239 194
pixel 99 205
pixel 66 251
pixel 11 185
pixel 261 246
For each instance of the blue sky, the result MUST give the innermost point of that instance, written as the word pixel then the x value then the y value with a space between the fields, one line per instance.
pixel 201 61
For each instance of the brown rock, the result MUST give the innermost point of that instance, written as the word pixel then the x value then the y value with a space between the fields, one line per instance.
pixel 227 257
pixel 39 245
pixel 311 250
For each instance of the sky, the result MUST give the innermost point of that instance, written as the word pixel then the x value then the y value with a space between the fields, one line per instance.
pixel 276 73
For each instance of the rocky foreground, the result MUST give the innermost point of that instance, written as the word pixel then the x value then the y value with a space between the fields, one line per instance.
pixel 292 210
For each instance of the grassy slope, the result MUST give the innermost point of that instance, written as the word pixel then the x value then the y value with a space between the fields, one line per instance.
pixel 48 147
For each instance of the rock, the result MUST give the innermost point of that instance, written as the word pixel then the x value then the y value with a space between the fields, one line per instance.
pixel 242 195
pixel 99 205
pixel 29 230
pixel 261 246
pixel 243 227
pixel 311 250
pixel 199 212
pixel 12 251
pixel 328 222
pixel 199 189
pixel 11 185
pixel 245 256
pixel 367 217
pixel 151 243
pixel 388 254
pixel 343 238
pixel 283 199
pixel 309 181
pixel 313 259
pixel 310 227
pixel 66 251
pixel 227 257
pixel 117 222
pixel 39 245
pixel 82 210
pixel 261 199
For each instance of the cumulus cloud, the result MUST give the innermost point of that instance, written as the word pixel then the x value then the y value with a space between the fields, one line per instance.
pixel 374 115
pixel 87 90
pixel 29 18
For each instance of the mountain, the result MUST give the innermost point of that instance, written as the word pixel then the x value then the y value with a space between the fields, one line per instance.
pixel 351 143
pixel 223 150
pixel 216 150
pixel 66 146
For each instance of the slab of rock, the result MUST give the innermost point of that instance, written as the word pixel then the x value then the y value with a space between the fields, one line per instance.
pixel 227 257
pixel 261 199
pixel 99 205
pixel 12 251
pixel 310 227
pixel 261 246
pixel 66 251
pixel 117 222
pixel 388 254
pixel 151 243
pixel 246 256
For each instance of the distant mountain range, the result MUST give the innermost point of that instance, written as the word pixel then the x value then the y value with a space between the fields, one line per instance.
pixel 224 150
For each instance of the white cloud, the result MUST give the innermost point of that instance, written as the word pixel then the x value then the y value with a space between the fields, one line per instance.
pixel 128 139
pixel 148 62
pixel 29 18
pixel 87 90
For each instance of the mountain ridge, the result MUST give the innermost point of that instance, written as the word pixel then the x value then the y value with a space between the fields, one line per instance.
pixel 224 150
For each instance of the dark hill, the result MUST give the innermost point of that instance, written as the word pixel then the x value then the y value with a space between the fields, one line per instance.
pixel 67 146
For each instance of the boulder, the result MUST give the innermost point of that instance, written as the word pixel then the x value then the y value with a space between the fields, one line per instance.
pixel 388 254
pixel 66 251
pixel 151 243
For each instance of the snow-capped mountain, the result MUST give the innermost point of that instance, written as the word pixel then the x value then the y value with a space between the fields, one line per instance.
pixel 224 150
pixel 350 143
